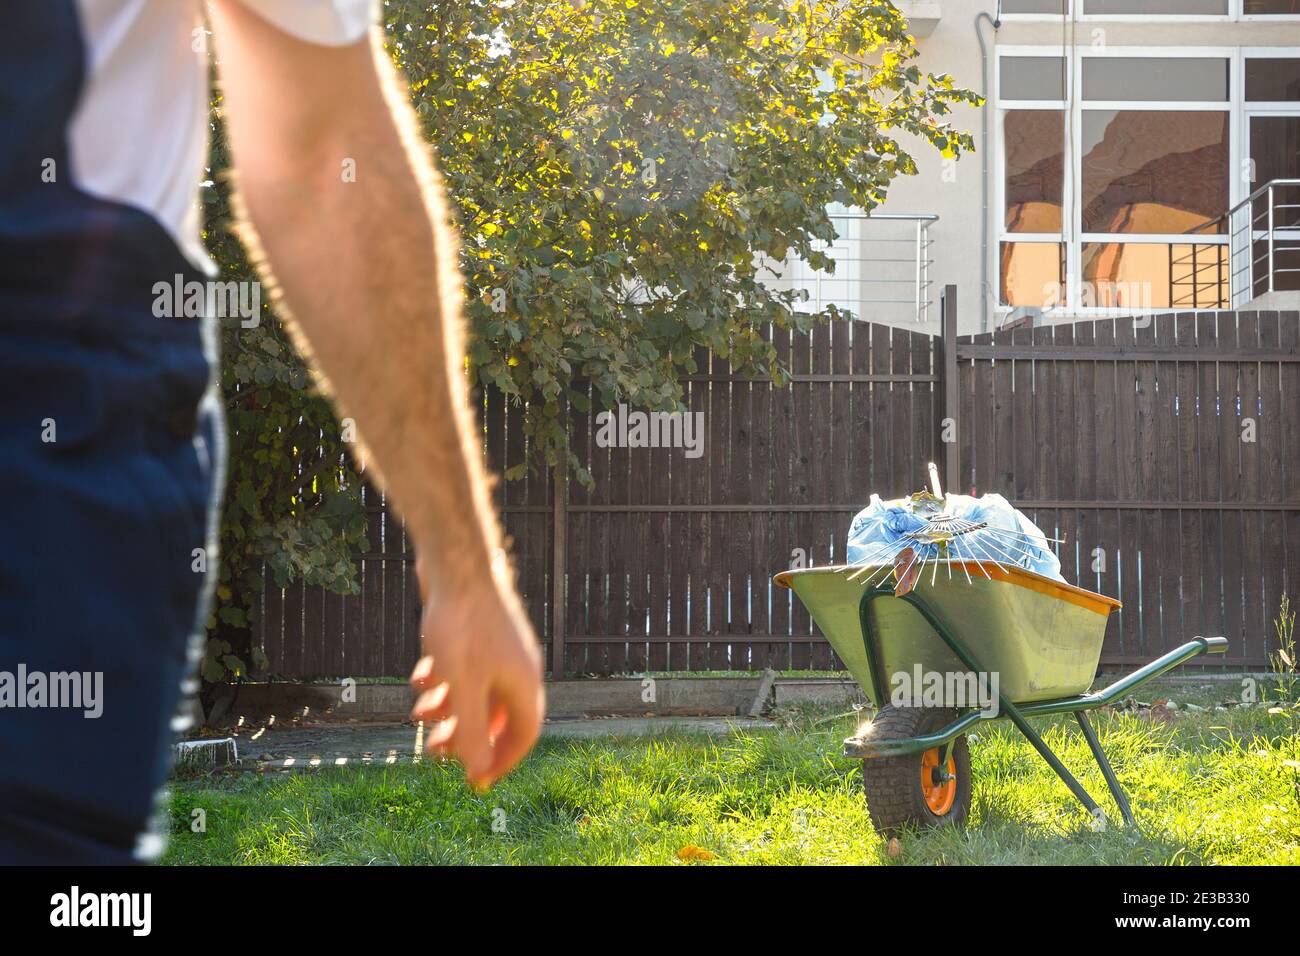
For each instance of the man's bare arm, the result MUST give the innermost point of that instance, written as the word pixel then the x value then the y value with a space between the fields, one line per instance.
pixel 366 265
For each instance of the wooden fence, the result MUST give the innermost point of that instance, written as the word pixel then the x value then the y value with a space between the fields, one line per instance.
pixel 1128 440
pixel 1166 453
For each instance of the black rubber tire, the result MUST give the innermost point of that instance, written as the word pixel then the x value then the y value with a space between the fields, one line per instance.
pixel 893 784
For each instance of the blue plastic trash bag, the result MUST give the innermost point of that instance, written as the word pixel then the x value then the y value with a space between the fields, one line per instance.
pixel 878 532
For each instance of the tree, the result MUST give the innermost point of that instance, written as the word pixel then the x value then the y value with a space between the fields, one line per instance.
pixel 621 170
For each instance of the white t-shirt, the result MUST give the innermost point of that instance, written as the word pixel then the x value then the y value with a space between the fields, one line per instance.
pixel 139 132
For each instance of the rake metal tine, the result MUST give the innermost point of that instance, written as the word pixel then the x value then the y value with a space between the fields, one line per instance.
pixel 877 574
pixel 1023 534
pixel 993 549
pixel 963 564
pixel 982 558
pixel 865 562
pixel 1009 552
pixel 978 562
pixel 880 551
pixel 989 556
pixel 864 569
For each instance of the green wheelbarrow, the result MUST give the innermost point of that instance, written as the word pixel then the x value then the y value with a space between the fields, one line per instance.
pixel 988 640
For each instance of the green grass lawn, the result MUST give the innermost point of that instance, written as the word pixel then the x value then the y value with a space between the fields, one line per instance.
pixel 1207 787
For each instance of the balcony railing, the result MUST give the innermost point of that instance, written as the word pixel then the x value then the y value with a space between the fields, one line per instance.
pixel 1263 250
pixel 882 269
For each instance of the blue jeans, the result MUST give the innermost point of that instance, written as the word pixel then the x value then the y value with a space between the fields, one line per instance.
pixel 111 462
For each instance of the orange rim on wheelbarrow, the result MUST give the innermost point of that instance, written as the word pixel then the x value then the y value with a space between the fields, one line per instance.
pixel 939 796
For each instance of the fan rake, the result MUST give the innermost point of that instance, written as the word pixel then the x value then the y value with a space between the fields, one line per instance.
pixel 944 539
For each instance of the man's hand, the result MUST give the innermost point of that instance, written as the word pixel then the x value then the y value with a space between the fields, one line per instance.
pixel 481 677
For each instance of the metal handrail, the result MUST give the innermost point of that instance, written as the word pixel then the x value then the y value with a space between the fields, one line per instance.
pixel 890 265
pixel 1243 232
pixel 1266 188
pixel 902 216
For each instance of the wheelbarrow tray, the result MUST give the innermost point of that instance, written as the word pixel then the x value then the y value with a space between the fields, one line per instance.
pixel 1042 637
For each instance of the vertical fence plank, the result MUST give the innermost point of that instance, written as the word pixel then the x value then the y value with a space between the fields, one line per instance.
pixel 784 542
pixel 1065 451
pixel 641 467
pixel 1166 488
pixel 1150 524
pixel 821 470
pixel 1083 451
pixel 700 522
pixel 1208 449
pixel 1232 565
pixel 719 454
pixel 1273 416
pixel 739 544
pixel 272 626
pixel 332 634
pixel 951 388
pixel 616 558
pixel 577 571
pixel 1289 334
pixel 1189 469
pixel 903 476
pixel 1105 545
pixel 1250 489
pixel 882 426
pixel 765 559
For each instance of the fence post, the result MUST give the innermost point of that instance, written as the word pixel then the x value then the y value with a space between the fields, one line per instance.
pixel 951 402
pixel 559 564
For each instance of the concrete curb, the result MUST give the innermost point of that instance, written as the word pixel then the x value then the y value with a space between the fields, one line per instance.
pixel 675 696
pixel 817 691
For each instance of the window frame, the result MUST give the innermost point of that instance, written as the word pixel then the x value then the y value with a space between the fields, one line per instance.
pixel 1074 10
pixel 1072 234
pixel 1000 181
pixel 1261 17
pixel 1250 109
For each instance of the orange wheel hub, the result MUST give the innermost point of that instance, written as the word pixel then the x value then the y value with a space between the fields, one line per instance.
pixel 939 796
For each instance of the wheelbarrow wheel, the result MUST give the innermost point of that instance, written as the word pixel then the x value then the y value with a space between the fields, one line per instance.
pixel 914 789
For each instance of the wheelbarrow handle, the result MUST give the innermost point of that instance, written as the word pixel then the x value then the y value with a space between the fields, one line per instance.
pixel 1179 655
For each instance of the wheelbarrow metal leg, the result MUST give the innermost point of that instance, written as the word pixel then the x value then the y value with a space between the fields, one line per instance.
pixel 1116 791
pixel 1053 761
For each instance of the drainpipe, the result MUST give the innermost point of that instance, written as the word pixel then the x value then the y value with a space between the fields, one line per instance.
pixel 984 169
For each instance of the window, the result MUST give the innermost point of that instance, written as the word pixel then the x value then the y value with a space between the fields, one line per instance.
pixel 1032 274
pixel 1272 135
pixel 1034 160
pixel 1272 81
pixel 1272 8
pixel 1149 8
pixel 1032 256
pixel 1051 7
pixel 1274 148
pixel 1156 79
pixel 1099 217
pixel 1032 78
pixel 1154 275
pixel 1152 171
